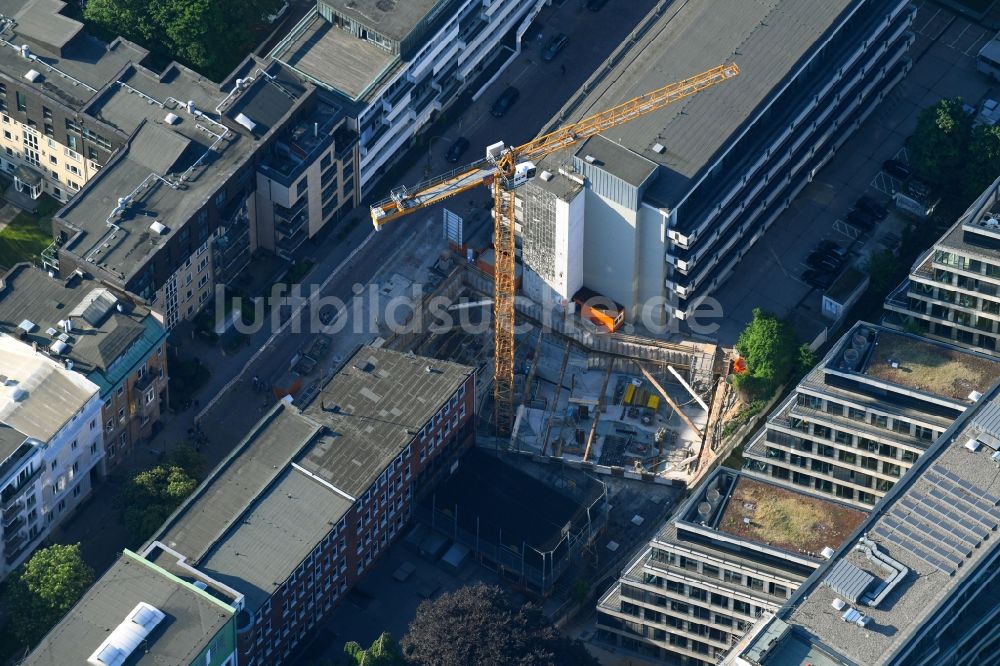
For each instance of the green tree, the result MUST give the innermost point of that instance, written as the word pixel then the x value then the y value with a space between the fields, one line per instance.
pixel 192 461
pixel 383 652
pixel 883 269
pixel 940 147
pixel 770 350
pixel 150 497
pixel 211 36
pixel 479 624
pixel 45 587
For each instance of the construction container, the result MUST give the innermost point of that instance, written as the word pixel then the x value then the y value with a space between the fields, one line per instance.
pixel 599 309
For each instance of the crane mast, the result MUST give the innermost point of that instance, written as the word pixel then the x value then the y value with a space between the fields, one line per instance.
pixel 504 169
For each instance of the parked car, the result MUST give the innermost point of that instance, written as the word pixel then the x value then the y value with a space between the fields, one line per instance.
pixel 457 149
pixel 817 279
pixel 861 220
pixel 557 44
pixel 875 209
pixel 897 169
pixel 595 5
pixel 824 262
pixel 505 101
pixel 832 249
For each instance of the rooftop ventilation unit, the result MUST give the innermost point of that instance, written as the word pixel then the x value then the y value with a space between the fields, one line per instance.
pixel 33 75
pixel 838 604
pixel 58 347
pixel 27 326
pixel 19 394
pixel 590 159
pixel 546 176
pixel 975 396
pixel 191 107
pixel 245 121
pixel 25 51
pixel 827 552
pixel 973 445
pixel 158 228
pixel 172 119
pixel 127 636
pixel 659 148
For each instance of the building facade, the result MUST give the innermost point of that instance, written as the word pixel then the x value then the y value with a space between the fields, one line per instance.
pixel 142 612
pixel 51 439
pixel 358 474
pixel 918 583
pixel 725 560
pixel 863 416
pixel 953 291
pixel 103 335
pixel 395 67
pixel 671 202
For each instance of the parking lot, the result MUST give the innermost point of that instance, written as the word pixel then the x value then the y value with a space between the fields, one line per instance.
pixel 770 274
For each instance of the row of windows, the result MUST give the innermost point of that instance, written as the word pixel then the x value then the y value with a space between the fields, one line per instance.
pixel 730 576
pixel 897 425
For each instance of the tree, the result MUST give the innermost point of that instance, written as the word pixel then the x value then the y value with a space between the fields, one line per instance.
pixel 882 268
pixel 211 36
pixel 480 625
pixel 768 346
pixel 939 148
pixel 383 652
pixel 44 588
pixel 189 459
pixel 151 496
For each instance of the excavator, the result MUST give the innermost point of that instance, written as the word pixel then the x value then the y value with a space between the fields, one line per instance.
pixel 506 168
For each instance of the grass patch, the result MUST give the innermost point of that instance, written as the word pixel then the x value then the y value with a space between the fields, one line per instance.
pixel 24 238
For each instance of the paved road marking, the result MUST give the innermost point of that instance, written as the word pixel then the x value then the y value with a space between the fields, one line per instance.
pixel 845 229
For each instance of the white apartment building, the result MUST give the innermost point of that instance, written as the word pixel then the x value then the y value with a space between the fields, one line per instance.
pixel 863 416
pixel 396 65
pixel 664 207
pixel 733 554
pixel 50 440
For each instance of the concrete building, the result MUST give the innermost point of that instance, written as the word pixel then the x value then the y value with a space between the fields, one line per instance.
pixel 395 66
pixel 304 505
pixel 101 334
pixel 953 291
pixel 50 70
pixel 920 582
pixel 735 551
pixel 50 441
pixel 863 416
pixel 142 613
pixel 656 213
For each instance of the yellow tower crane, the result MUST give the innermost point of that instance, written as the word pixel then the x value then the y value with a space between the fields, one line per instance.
pixel 506 168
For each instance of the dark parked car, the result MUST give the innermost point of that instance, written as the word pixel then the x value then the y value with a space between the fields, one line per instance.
pixel 872 207
pixel 595 5
pixel 505 101
pixel 553 48
pixel 457 149
pixel 817 279
pixel 832 249
pixel 897 169
pixel 861 220
pixel 824 262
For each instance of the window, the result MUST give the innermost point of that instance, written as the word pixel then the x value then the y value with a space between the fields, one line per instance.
pixel 52 465
pixel 73 169
pixel 8 135
pixel 150 395
pixel 93 448
pixel 121 414
pixel 21 104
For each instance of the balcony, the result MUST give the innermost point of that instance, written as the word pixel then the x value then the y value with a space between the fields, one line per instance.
pixel 14 496
pixel 13 526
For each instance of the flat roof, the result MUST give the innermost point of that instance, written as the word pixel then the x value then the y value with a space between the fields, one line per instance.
pixel 40 21
pixel 101 335
pixel 930 367
pixel 333 57
pixel 394 19
pixel 85 66
pixel 171 170
pixel 39 395
pixel 372 409
pixel 288 482
pixel 193 617
pixel 786 519
pixel 933 522
pixel 767 41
